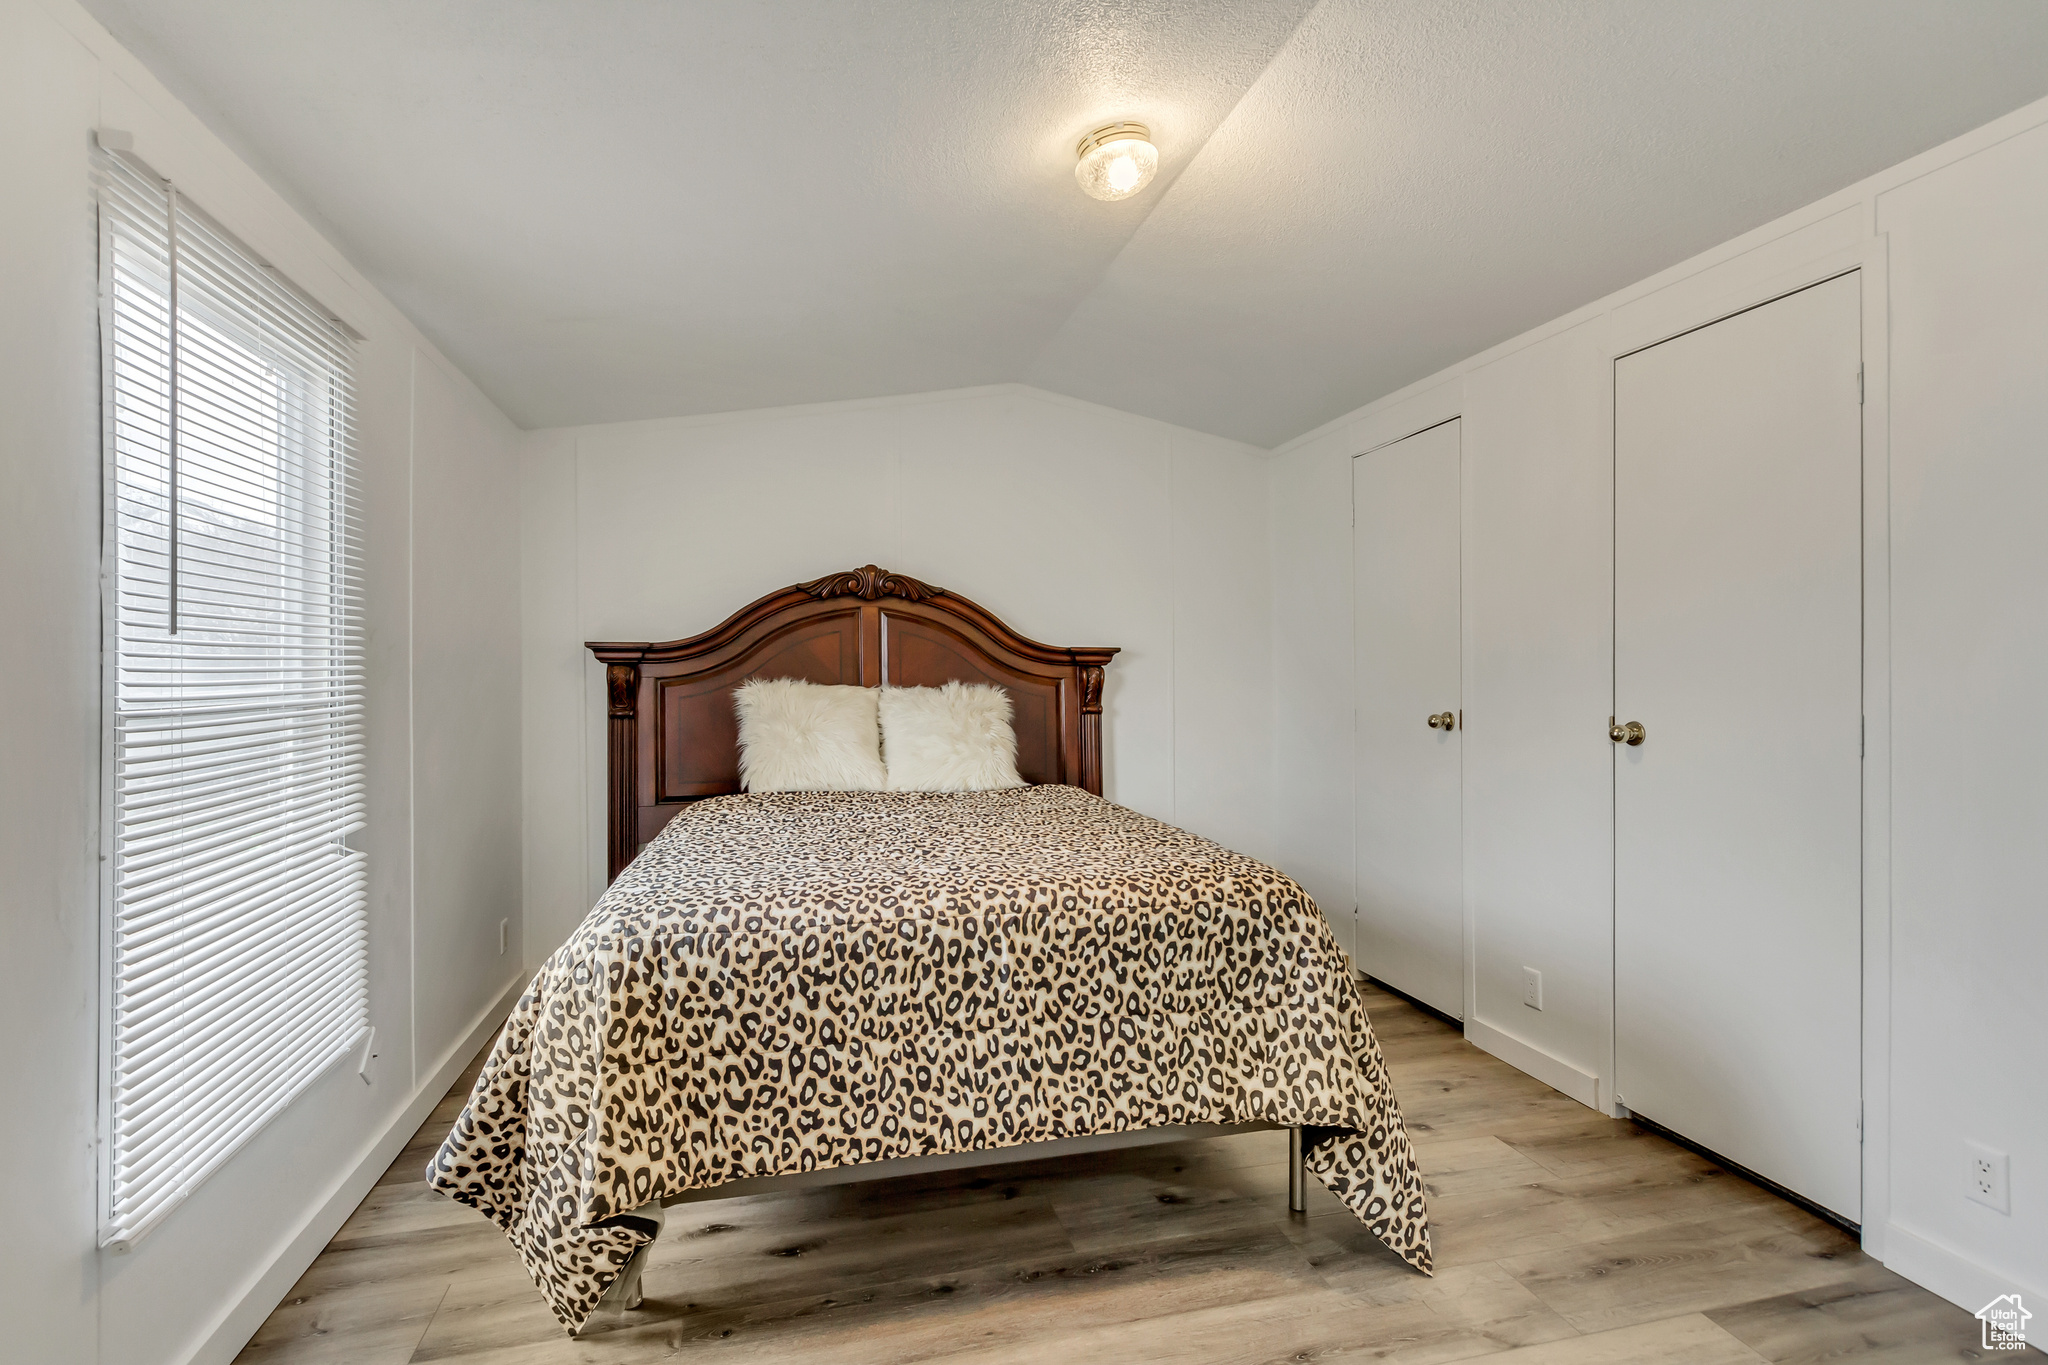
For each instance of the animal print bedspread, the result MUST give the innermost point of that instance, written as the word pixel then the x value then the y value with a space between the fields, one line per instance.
pixel 785 982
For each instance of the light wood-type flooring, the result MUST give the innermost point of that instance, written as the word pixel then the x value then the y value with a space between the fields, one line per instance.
pixel 1562 1238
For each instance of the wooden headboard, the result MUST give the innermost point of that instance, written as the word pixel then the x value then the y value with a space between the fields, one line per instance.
pixel 675 736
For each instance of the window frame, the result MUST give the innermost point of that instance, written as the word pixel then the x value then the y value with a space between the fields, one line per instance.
pixel 300 462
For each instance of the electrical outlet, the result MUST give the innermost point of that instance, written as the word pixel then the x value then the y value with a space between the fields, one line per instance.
pixel 504 936
pixel 1990 1177
pixel 1532 988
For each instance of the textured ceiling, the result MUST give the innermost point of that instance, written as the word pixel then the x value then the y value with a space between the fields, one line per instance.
pixel 1415 180
pixel 634 208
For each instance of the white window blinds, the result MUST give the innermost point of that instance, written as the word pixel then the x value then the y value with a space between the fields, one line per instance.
pixel 236 926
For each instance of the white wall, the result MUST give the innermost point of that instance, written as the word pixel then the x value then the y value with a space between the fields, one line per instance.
pixel 1538 671
pixel 465 705
pixel 1312 677
pixel 442 596
pixel 1954 260
pixel 1969 873
pixel 1076 524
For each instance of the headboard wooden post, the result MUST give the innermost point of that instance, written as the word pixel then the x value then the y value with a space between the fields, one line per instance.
pixel 1091 727
pixel 674 737
pixel 622 689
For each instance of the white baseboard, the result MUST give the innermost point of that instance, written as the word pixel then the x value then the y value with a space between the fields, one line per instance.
pixel 269 1286
pixel 1560 1076
pixel 1933 1264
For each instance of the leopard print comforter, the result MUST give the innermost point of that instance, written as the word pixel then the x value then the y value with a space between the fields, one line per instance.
pixel 791 981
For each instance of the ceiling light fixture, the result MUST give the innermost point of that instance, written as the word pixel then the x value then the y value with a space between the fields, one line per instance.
pixel 1116 161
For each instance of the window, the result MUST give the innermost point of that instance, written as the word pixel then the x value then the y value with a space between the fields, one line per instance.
pixel 236 919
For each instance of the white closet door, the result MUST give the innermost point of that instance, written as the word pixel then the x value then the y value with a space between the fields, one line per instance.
pixel 1411 919
pixel 1737 821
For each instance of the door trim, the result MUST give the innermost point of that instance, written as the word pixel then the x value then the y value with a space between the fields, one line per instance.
pixel 1468 920
pixel 1396 440
pixel 1686 306
pixel 1468 917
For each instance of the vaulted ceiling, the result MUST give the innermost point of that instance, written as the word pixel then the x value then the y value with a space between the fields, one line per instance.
pixel 620 209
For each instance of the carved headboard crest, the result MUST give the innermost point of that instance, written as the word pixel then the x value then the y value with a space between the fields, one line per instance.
pixel 869 583
pixel 674 737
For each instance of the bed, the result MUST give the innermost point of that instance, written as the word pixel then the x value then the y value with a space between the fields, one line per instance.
pixel 793 988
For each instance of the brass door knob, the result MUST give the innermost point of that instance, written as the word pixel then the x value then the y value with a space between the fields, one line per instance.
pixel 1445 720
pixel 1631 733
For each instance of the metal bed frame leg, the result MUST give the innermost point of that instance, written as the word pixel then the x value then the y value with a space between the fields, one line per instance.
pixel 1297 1173
pixel 628 1295
pixel 623 1294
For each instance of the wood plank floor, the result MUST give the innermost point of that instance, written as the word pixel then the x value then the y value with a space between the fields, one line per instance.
pixel 1562 1238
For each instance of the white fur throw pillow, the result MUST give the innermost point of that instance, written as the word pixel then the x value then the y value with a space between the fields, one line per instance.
pixel 806 737
pixel 955 738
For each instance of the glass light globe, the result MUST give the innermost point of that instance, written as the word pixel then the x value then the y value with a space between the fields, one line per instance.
pixel 1116 161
